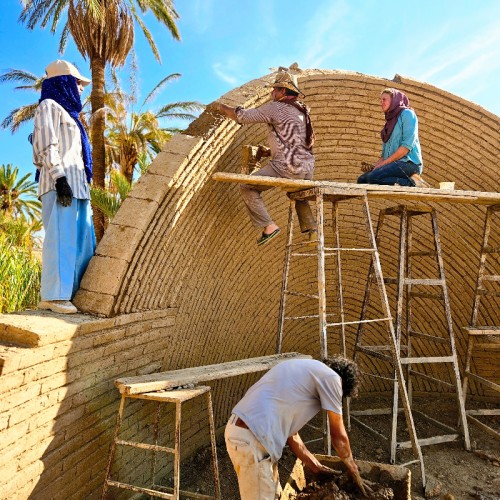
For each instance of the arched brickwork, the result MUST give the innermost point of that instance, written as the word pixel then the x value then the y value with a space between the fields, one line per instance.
pixel 182 240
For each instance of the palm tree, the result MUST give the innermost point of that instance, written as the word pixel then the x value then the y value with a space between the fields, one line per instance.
pixel 131 133
pixel 103 31
pixel 26 113
pixel 18 197
pixel 109 200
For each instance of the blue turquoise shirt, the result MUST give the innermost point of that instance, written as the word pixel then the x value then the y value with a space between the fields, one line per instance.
pixel 405 134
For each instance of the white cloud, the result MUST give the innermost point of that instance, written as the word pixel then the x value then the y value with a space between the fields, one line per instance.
pixel 224 73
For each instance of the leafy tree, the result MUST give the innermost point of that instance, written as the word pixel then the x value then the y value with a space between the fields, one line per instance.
pixel 18 197
pixel 103 31
pixel 131 133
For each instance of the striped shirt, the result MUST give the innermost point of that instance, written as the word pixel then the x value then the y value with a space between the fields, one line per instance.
pixel 286 134
pixel 57 150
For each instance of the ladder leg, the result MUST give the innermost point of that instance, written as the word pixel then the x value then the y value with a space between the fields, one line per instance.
pixel 113 446
pixel 399 320
pixel 321 277
pixel 340 293
pixel 458 386
pixel 156 432
pixel 284 280
pixel 482 266
pixel 393 344
pixel 214 445
pixel 177 451
pixel 409 309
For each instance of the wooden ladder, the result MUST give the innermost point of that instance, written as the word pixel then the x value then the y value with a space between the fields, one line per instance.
pixel 320 195
pixel 409 342
pixel 483 338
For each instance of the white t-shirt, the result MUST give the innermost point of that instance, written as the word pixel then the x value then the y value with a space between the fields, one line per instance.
pixel 286 398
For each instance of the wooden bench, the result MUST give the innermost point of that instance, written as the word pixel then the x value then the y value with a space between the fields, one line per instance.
pixel 177 387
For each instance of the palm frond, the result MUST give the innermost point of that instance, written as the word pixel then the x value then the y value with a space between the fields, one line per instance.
pixel 18 75
pixel 159 86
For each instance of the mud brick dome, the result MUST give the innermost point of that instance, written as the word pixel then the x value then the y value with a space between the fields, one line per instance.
pixel 182 240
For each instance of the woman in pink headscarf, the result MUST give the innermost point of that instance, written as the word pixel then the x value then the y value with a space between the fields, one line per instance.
pixel 401 161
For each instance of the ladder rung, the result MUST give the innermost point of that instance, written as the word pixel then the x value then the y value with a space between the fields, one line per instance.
pixel 423 295
pixel 297 254
pixel 490 250
pixel 437 423
pixel 485 292
pixel 491 277
pixel 359 322
pixel 487 346
pixel 299 294
pixel 302 317
pixel 430 338
pixel 341 249
pixel 422 253
pixel 429 441
pixel 431 379
pixel 138 489
pixel 429 282
pixel 374 353
pixel 430 359
pixel 481 380
pixel 145 446
pixel 486 428
pixel 487 412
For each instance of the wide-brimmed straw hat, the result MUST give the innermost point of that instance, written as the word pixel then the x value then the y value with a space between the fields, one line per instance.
pixel 286 80
pixel 61 68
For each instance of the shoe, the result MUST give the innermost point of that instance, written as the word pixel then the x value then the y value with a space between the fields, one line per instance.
pixel 419 182
pixel 58 306
pixel 267 237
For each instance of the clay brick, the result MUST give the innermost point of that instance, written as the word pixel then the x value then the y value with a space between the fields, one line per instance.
pixel 104 275
pixel 120 242
pixel 136 212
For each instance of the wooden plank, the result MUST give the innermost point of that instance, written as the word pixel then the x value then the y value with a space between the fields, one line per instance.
pixel 372 190
pixel 430 441
pixel 177 378
pixel 483 330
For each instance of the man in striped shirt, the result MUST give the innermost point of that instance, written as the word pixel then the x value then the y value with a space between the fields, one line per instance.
pixel 291 138
pixel 61 154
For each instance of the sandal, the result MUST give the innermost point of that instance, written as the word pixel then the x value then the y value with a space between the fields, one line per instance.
pixel 266 237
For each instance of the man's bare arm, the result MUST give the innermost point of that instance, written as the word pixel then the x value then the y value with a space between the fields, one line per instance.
pixel 300 450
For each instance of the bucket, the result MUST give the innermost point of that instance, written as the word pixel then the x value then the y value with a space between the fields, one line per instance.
pixel 396 477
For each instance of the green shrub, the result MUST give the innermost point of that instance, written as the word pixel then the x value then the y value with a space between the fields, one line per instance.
pixel 20 273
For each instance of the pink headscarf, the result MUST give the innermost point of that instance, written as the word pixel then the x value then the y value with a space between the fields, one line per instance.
pixel 398 103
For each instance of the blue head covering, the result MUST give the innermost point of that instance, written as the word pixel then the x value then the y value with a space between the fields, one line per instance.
pixel 64 90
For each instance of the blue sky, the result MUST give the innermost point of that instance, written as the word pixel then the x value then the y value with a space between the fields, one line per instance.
pixel 453 44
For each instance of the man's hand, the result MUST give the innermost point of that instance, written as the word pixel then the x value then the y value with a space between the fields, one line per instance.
pixel 64 193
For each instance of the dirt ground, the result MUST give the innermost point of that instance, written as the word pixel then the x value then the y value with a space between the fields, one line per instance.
pixel 452 472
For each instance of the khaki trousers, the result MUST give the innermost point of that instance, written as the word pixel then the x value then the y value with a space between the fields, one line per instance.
pixel 252 196
pixel 258 477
